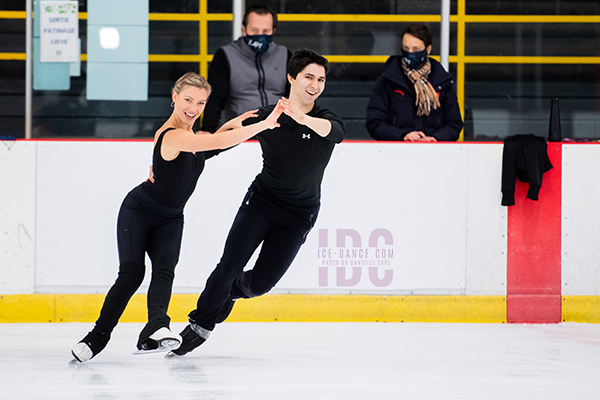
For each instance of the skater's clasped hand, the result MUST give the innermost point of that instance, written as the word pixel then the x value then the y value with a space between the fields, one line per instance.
pixel 271 120
pixel 291 110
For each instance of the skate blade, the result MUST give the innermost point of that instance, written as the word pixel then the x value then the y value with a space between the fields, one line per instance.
pixel 165 345
pixel 170 354
pixel 78 365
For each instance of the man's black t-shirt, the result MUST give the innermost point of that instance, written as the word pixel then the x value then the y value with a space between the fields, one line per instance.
pixel 295 156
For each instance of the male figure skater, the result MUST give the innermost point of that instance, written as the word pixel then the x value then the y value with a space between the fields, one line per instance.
pixel 282 203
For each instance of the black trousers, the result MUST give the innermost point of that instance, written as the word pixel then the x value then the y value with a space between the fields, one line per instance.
pixel 282 229
pixel 144 226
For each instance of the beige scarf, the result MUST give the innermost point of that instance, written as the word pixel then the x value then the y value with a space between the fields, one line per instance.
pixel 427 98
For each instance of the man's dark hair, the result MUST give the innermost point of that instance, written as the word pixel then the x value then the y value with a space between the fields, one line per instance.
pixel 303 57
pixel 419 31
pixel 260 10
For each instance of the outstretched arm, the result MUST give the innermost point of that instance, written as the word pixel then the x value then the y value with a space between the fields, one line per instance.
pixel 182 140
pixel 237 121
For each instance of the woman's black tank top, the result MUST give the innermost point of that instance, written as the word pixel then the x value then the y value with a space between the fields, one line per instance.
pixel 175 180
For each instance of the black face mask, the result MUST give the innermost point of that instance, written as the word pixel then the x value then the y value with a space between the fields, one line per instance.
pixel 258 43
pixel 414 60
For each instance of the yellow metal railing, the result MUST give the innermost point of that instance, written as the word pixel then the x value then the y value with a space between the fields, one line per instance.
pixel 203 17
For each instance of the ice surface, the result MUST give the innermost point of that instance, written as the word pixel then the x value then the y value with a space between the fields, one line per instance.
pixel 311 361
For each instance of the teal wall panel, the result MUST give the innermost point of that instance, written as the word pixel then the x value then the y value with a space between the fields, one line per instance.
pixel 75 67
pixel 131 48
pixel 131 80
pixel 118 12
pixel 119 73
pixel 49 75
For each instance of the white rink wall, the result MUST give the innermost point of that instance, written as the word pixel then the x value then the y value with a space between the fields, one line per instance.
pixel 581 220
pixel 396 218
pixel 17 216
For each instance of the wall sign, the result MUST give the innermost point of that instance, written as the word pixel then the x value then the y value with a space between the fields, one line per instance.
pixel 59 31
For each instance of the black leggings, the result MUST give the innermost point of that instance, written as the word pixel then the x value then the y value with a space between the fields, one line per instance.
pixel 281 229
pixel 144 226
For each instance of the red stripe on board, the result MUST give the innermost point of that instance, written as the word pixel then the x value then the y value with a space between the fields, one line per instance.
pixel 533 308
pixel 534 249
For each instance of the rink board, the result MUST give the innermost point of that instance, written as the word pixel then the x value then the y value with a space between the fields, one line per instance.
pixel 295 308
pixel 398 221
pixel 269 308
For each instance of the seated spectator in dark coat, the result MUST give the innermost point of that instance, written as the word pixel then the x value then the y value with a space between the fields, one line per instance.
pixel 414 99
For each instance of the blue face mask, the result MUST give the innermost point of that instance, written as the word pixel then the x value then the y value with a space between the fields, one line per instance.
pixel 258 43
pixel 414 60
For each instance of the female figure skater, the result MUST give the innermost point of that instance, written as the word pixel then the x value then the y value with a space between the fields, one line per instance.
pixel 281 205
pixel 151 217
